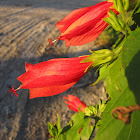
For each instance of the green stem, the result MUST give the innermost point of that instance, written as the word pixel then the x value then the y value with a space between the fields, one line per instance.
pixel 124 32
pixel 118 49
pixel 123 17
pixel 127 29
pixel 96 121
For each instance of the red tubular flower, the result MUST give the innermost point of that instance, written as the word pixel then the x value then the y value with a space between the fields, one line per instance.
pixel 74 103
pixel 52 77
pixel 84 25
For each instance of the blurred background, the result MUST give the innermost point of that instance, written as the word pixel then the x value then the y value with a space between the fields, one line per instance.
pixel 25 26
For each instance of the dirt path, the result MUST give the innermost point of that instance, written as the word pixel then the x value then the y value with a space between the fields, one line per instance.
pixel 25 27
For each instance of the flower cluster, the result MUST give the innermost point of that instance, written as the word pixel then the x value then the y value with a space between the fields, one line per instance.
pixel 57 75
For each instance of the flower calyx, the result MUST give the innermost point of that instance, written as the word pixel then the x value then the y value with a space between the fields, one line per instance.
pixel 115 21
pixel 100 57
pixel 121 5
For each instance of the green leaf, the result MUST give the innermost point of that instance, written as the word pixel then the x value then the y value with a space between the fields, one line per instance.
pixel 78 120
pixel 122 84
pixel 137 8
pixel 73 131
pixel 80 130
pixel 103 72
pixel 102 105
pixel 58 125
pixel 87 129
pixel 51 129
pixel 136 15
pixel 131 62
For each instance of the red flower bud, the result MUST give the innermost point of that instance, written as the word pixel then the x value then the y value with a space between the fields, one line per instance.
pixel 74 103
pixel 84 25
pixel 52 77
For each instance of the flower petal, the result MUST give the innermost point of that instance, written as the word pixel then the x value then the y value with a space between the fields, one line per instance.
pixel 28 66
pixel 52 80
pixel 76 15
pixel 90 18
pixel 48 91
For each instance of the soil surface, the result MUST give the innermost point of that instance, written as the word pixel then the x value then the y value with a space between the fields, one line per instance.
pixel 25 26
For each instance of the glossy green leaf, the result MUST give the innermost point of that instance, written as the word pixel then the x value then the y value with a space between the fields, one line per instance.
pixel 131 62
pixel 122 84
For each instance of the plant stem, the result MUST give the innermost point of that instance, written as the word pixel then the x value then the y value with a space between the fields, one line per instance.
pixel 127 30
pixel 118 49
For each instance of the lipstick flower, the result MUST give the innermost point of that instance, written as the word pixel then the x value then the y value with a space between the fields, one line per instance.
pixel 51 77
pixel 74 103
pixel 84 25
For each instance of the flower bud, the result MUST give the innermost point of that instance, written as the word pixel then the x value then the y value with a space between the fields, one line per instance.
pixel 74 103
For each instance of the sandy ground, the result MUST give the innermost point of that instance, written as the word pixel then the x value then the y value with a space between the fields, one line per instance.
pixel 25 26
